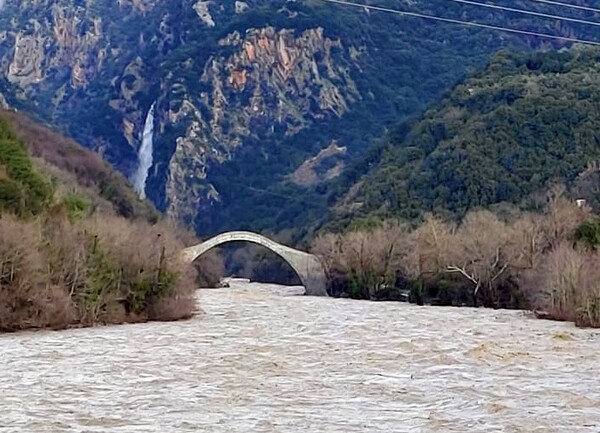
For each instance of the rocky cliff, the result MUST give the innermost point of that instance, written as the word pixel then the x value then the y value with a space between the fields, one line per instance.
pixel 248 94
pixel 273 85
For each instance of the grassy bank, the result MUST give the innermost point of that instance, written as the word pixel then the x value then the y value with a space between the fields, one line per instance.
pixel 78 249
pixel 546 261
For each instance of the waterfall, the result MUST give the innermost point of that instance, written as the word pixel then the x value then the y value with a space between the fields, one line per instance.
pixel 145 155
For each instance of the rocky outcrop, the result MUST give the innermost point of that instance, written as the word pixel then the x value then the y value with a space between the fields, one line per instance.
pixel 26 65
pixel 241 7
pixel 64 39
pixel 187 187
pixel 142 6
pixel 261 85
pixel 202 9
pixel 326 165
pixel 275 80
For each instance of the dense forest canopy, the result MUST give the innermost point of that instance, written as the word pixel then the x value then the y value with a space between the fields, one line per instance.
pixel 528 119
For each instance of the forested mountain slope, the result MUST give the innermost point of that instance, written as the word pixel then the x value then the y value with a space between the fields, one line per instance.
pixel 525 121
pixel 258 103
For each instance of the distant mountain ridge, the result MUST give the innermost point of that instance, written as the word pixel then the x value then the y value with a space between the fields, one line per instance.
pixel 246 92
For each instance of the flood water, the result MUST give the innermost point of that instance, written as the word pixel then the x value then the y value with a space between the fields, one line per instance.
pixel 258 359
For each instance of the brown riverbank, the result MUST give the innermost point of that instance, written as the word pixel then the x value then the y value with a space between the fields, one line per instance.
pixel 545 261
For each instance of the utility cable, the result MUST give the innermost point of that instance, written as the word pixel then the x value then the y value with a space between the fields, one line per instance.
pixel 527 12
pixel 463 23
pixel 568 5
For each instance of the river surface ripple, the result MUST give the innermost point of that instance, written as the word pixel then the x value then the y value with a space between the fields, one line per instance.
pixel 259 360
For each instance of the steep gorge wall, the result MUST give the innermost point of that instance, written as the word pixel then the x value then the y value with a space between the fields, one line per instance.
pixel 274 84
pixel 81 69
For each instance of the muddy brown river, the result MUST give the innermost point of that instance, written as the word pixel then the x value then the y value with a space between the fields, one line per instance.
pixel 260 359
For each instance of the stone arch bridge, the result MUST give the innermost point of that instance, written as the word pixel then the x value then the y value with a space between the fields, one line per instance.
pixel 307 266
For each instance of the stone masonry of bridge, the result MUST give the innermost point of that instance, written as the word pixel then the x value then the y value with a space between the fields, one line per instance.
pixel 307 266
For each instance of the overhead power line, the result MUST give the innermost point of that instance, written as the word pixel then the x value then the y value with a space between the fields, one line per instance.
pixel 527 12
pixel 463 23
pixel 568 5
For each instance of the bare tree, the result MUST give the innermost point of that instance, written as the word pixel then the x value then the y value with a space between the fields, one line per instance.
pixel 483 253
pixel 431 243
pixel 562 217
pixel 369 258
pixel 569 286
pixel 560 278
pixel 529 240
pixel 588 306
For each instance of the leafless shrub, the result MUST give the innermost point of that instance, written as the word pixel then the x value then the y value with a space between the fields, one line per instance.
pixel 20 277
pixel 562 217
pixel 368 259
pixel 569 286
pixel 54 273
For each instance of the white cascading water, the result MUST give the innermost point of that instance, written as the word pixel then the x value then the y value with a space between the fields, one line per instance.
pixel 145 155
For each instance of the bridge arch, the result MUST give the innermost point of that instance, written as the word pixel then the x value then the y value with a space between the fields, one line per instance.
pixel 307 266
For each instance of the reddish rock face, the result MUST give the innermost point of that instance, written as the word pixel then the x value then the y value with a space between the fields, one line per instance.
pixel 238 79
pixel 273 77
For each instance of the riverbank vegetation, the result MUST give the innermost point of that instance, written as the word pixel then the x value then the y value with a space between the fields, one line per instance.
pixel 68 255
pixel 545 261
pixel 57 273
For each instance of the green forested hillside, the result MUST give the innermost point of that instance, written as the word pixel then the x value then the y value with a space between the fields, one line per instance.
pixel 22 190
pixel 524 121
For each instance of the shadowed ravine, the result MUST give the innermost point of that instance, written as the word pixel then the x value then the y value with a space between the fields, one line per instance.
pixel 256 360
